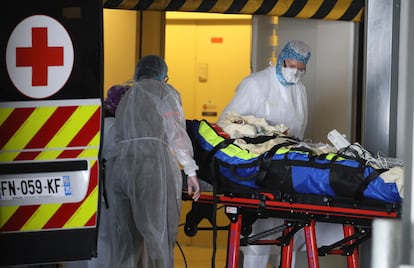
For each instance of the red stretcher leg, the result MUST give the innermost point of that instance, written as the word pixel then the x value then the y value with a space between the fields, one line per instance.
pixel 233 247
pixel 353 259
pixel 311 245
pixel 287 251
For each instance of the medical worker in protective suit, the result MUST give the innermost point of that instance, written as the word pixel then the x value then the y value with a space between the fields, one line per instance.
pixel 103 259
pixel 277 95
pixel 145 184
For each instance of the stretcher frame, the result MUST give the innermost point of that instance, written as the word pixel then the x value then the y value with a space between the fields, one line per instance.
pixel 300 213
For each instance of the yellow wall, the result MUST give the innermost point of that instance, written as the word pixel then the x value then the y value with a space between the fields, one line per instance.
pixel 129 35
pixel 120 35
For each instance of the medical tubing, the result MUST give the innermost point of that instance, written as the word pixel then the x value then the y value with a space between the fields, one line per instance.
pixel 182 253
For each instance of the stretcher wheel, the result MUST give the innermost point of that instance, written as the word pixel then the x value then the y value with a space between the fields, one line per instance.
pixel 246 230
pixel 190 230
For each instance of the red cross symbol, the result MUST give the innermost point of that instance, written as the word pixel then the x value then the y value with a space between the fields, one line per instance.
pixel 40 56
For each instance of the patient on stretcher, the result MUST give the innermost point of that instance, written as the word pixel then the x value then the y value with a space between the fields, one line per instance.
pixel 238 126
pixel 252 153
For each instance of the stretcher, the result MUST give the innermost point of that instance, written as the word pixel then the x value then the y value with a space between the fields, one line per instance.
pixel 301 212
pixel 290 182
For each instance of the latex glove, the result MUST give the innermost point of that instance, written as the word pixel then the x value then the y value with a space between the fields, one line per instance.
pixel 193 187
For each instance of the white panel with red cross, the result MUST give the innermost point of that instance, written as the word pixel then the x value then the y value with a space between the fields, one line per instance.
pixel 39 56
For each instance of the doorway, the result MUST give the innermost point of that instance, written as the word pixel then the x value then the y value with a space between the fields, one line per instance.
pixel 208 55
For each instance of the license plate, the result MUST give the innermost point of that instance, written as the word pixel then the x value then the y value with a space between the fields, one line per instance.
pixel 38 187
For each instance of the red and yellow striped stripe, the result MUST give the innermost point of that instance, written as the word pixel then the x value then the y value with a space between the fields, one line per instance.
pixel 47 133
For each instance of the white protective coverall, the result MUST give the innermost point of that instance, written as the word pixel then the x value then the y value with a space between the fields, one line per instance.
pixel 267 94
pixel 145 180
pixel 104 259
pixel 261 95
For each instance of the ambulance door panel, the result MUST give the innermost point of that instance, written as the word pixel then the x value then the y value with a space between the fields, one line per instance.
pixel 50 122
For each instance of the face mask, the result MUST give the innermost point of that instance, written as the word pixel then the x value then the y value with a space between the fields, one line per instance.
pixel 292 75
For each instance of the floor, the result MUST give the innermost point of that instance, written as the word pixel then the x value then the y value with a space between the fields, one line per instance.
pixel 201 257
pixel 187 257
pixel 198 257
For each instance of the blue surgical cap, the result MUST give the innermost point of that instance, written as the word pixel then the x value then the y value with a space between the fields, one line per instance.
pixel 293 50
pixel 152 67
